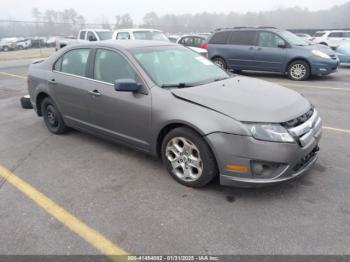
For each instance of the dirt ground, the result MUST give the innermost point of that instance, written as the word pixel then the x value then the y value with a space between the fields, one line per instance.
pixel 26 54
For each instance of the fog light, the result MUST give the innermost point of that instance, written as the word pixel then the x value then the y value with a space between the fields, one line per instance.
pixel 237 168
pixel 265 169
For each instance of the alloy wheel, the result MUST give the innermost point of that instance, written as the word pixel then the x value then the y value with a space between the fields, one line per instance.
pixel 298 71
pixel 185 159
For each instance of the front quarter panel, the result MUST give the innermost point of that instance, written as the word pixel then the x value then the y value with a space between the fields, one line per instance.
pixel 168 109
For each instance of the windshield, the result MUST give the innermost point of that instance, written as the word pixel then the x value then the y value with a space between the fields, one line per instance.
pixel 150 35
pixel 176 65
pixel 105 35
pixel 293 39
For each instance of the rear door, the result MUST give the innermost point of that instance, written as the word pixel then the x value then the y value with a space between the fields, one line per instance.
pixel 124 116
pixel 268 55
pixel 70 86
pixel 240 52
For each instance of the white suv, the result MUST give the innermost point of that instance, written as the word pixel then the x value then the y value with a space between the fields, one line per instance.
pixel 332 38
pixel 139 34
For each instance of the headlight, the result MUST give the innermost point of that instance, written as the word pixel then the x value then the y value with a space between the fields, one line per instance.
pixel 270 132
pixel 320 54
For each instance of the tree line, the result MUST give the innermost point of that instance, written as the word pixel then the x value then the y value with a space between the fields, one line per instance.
pixel 69 21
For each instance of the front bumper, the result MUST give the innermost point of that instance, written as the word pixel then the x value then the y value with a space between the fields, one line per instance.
pixel 291 159
pixel 324 67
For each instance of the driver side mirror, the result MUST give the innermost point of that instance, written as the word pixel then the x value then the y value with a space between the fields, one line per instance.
pixel 282 45
pixel 92 38
pixel 126 85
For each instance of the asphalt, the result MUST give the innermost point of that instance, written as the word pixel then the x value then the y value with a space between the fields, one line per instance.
pixel 129 198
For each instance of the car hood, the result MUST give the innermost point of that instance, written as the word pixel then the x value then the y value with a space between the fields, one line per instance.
pixel 323 48
pixel 247 99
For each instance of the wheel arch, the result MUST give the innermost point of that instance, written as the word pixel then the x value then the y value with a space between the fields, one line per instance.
pixel 297 59
pixel 39 99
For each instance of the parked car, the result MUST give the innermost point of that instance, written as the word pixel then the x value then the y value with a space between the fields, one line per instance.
pixel 149 34
pixel 332 38
pixel 23 44
pixel 270 50
pixel 168 101
pixel 8 43
pixel 304 36
pixel 85 35
pixel 139 34
pixel 199 41
pixel 51 41
pixel 173 38
pixel 343 52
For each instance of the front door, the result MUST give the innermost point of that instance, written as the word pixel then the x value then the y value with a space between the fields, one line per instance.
pixel 270 54
pixel 125 116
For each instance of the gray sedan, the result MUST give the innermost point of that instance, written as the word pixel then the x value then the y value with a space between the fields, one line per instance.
pixel 169 101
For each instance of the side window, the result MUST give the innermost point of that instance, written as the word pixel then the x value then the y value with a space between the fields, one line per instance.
pixel 110 66
pixel 243 38
pixel 74 62
pixel 346 34
pixel 187 41
pixel 123 36
pixel 220 37
pixel 91 36
pixel 335 34
pixel 82 35
pixel 57 65
pixel 268 39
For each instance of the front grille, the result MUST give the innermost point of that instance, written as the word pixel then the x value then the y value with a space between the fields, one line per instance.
pixel 306 159
pixel 299 120
pixel 305 127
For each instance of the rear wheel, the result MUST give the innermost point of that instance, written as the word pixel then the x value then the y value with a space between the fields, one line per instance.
pixel 299 70
pixel 188 158
pixel 220 62
pixel 52 117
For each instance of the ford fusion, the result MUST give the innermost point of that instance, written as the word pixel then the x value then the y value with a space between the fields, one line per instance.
pixel 169 101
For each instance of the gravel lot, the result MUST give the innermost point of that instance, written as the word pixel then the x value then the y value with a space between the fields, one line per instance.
pixel 129 198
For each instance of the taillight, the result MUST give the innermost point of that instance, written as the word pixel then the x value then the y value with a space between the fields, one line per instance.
pixel 204 45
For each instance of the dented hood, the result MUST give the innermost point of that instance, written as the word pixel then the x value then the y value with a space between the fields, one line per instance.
pixel 247 99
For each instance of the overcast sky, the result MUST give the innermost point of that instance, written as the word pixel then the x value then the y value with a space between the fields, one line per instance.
pixel 93 11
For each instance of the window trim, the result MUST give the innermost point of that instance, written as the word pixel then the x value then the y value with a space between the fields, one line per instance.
pixel 87 69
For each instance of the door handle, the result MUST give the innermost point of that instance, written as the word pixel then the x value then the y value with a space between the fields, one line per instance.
pixel 259 49
pixel 53 81
pixel 94 93
pixel 251 48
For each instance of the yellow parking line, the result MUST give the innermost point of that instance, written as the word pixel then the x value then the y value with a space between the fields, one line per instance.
pixel 317 87
pixel 13 75
pixel 90 235
pixel 337 129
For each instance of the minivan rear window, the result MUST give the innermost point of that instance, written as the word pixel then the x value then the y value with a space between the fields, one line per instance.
pixel 319 34
pixel 220 37
pixel 242 38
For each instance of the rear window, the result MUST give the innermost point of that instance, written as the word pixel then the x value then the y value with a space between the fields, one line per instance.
pixel 242 38
pixel 220 37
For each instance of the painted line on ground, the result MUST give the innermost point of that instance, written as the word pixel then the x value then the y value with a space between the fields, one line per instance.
pixel 313 86
pixel 13 75
pixel 90 235
pixel 337 129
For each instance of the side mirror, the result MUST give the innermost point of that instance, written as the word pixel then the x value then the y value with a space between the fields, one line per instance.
pixel 92 38
pixel 126 85
pixel 282 45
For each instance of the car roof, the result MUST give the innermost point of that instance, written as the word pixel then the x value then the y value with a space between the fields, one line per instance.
pixel 126 44
pixel 96 30
pixel 251 29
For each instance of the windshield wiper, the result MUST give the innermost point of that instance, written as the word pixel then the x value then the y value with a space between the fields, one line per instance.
pixel 179 85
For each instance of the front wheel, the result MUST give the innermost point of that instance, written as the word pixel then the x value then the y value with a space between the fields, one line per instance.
pixel 299 70
pixel 188 158
pixel 220 62
pixel 52 117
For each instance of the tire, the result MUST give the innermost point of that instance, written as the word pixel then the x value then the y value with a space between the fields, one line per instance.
pixel 220 62
pixel 194 164
pixel 52 117
pixel 299 70
pixel 25 102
